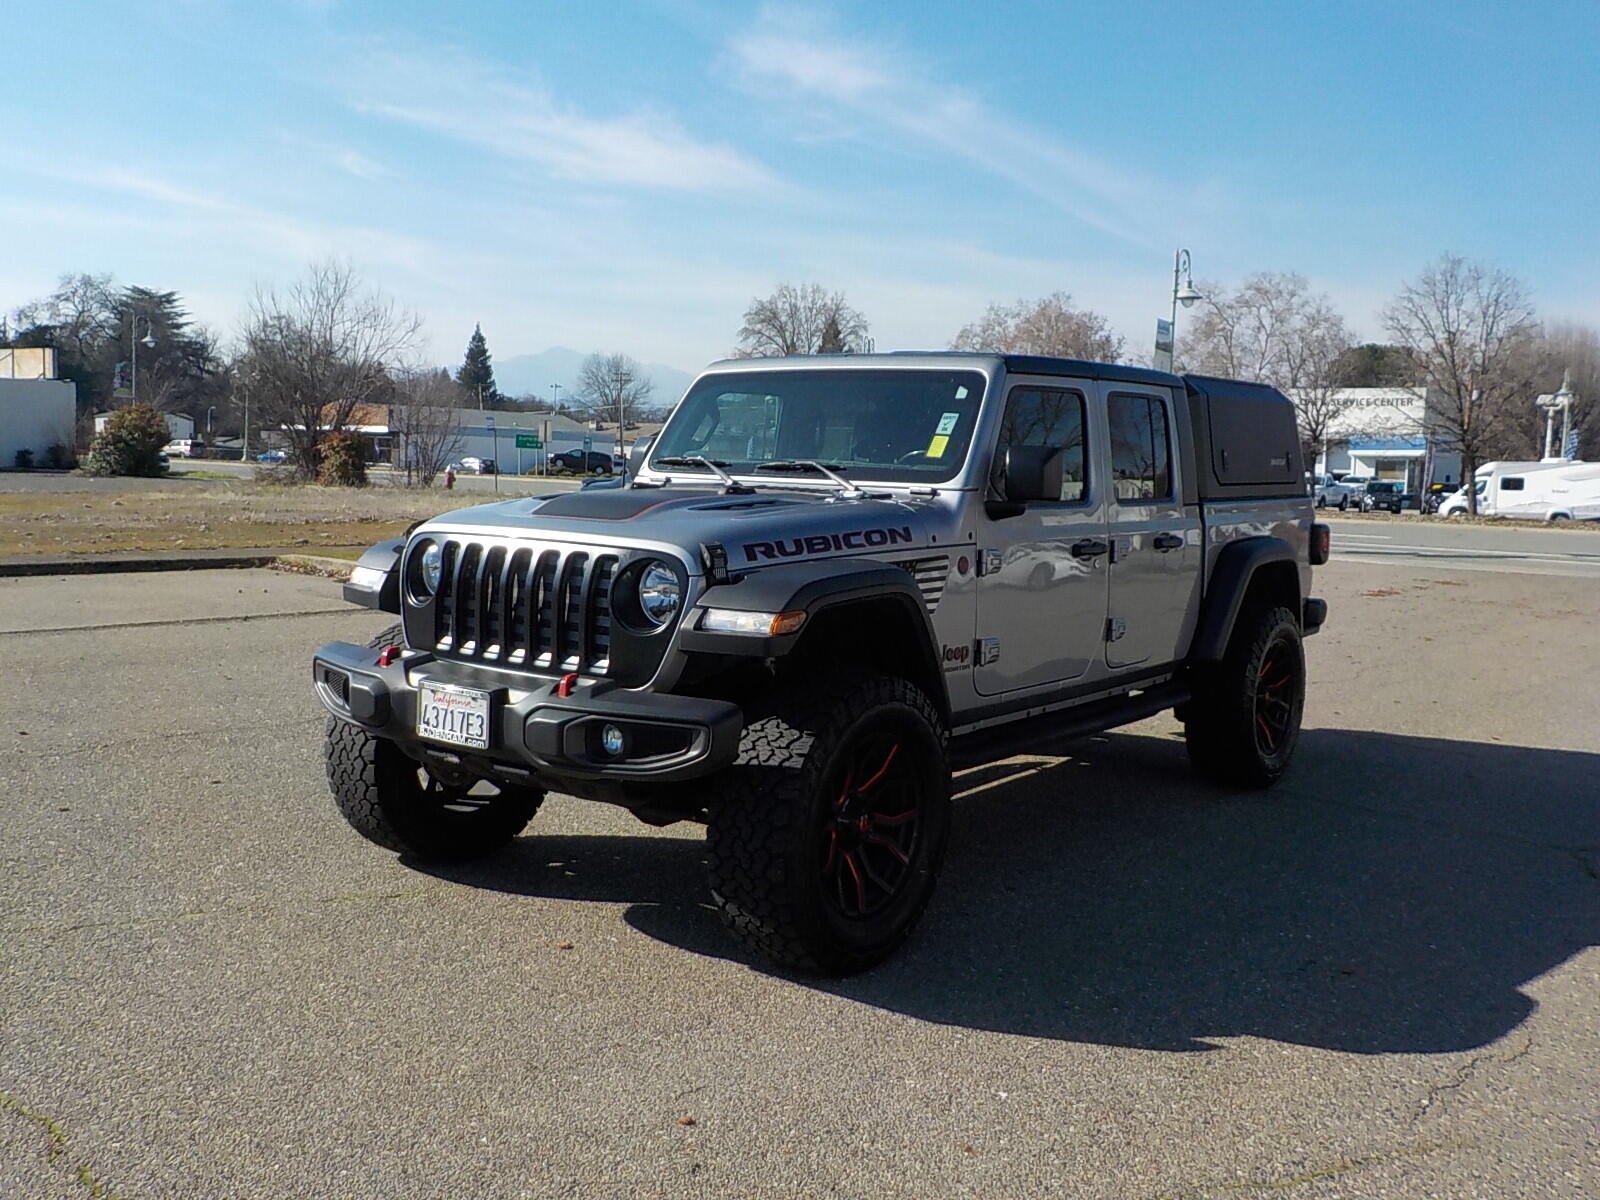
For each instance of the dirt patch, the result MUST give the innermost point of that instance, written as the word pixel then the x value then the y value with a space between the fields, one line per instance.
pixel 237 515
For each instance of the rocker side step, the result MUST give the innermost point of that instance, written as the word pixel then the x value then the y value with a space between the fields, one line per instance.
pixel 1033 734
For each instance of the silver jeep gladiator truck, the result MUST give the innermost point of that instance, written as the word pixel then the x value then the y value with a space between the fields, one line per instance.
pixel 826 582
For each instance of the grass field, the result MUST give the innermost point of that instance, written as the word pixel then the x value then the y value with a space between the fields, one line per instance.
pixel 232 515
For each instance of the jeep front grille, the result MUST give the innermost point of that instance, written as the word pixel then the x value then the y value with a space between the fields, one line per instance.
pixel 537 608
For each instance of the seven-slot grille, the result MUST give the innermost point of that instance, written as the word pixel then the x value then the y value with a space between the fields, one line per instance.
pixel 538 608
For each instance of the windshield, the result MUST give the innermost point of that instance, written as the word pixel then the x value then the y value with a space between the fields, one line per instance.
pixel 898 424
pixel 1383 489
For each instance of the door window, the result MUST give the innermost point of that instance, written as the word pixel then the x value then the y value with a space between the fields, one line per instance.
pixel 1048 417
pixel 1141 459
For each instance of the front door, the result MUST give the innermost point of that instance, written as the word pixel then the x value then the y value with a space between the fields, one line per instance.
pixel 1042 573
pixel 1156 550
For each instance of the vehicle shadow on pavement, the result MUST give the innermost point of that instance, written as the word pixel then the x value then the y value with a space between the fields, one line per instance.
pixel 1394 894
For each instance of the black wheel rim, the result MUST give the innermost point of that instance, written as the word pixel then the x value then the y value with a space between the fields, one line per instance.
pixel 1275 695
pixel 871 830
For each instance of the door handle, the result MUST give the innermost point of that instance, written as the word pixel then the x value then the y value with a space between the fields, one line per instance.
pixel 1167 541
pixel 1090 547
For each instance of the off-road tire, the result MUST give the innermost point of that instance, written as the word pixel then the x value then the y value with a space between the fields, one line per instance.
pixel 774 807
pixel 1222 728
pixel 388 800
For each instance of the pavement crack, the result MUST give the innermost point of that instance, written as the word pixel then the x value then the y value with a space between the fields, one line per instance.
pixel 1439 1092
pixel 58 1147
pixel 1319 1174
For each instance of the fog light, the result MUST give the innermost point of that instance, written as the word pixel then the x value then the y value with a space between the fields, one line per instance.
pixel 611 740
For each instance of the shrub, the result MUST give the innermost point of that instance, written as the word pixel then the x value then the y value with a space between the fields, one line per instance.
pixel 344 461
pixel 24 459
pixel 60 457
pixel 131 443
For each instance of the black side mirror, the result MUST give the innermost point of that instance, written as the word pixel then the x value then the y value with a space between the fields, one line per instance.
pixel 637 455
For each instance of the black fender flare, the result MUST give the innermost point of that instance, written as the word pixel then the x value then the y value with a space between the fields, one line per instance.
pixel 813 588
pixel 1230 579
pixel 385 557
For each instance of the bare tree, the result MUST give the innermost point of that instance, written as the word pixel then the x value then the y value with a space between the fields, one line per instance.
pixel 613 387
pixel 1564 347
pixel 82 314
pixel 1273 329
pixel 425 419
pixel 318 352
pixel 801 320
pixel 1049 326
pixel 1470 328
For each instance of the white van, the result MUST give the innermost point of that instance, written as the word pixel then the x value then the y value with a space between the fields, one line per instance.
pixel 1541 491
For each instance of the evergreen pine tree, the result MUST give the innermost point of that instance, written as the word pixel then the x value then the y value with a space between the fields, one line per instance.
pixel 477 371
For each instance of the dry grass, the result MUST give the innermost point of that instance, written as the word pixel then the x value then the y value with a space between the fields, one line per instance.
pixel 236 515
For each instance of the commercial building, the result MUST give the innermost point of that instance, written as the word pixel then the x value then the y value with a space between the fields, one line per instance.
pixel 38 412
pixel 1386 433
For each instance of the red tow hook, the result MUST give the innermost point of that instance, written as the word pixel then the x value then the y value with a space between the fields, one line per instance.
pixel 387 655
pixel 568 682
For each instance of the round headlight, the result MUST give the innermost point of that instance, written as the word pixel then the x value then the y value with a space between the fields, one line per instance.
pixel 432 567
pixel 659 593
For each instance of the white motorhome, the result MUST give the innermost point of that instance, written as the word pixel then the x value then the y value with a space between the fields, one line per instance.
pixel 1544 491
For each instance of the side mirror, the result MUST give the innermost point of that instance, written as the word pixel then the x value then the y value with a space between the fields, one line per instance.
pixel 1028 473
pixel 637 455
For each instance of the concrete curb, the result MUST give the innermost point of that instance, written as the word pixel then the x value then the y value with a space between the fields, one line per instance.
pixel 152 560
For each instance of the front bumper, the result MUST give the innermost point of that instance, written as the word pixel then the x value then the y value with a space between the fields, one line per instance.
pixel 666 738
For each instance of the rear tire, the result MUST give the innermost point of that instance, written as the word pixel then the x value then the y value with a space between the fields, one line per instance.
pixel 828 832
pixel 1244 721
pixel 394 802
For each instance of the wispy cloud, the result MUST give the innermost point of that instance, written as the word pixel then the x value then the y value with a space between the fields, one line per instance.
pixel 466 99
pixel 791 54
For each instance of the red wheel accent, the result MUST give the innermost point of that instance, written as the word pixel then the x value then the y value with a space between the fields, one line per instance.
pixel 870 835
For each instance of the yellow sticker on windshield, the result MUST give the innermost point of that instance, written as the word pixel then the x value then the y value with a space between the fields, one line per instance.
pixel 936 447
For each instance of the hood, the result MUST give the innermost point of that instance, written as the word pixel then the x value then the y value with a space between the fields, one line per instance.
pixel 766 527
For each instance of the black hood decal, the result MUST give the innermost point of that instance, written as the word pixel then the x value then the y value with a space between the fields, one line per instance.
pixel 613 504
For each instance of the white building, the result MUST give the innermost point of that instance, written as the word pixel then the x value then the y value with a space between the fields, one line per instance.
pixel 1384 433
pixel 180 426
pixel 37 410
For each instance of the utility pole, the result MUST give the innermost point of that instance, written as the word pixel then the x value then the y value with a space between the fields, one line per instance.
pixel 244 436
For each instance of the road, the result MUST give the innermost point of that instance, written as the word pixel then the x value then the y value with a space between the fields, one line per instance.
pixel 1520 549
pixel 1380 980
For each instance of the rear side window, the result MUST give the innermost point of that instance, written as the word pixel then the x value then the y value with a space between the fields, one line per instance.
pixel 1512 483
pixel 1141 459
pixel 1052 417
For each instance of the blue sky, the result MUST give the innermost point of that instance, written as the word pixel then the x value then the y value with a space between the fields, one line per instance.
pixel 628 176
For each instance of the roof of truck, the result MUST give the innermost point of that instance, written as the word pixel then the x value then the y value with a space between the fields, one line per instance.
pixel 1019 364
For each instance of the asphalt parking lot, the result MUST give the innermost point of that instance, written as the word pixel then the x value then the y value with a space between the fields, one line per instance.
pixel 1380 980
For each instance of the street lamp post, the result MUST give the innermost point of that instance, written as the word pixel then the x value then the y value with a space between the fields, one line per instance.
pixel 211 411
pixel 133 340
pixel 1183 292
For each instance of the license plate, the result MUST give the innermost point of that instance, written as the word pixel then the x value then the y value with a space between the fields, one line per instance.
pixel 456 715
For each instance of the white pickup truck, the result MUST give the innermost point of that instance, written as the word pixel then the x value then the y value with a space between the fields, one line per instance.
pixel 1331 492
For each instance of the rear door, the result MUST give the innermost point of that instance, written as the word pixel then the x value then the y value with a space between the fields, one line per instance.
pixel 1156 548
pixel 1042 573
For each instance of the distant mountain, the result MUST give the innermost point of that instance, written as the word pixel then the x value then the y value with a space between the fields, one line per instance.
pixel 524 374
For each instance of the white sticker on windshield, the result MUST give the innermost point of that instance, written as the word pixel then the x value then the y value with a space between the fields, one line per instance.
pixel 961 393
pixel 947 423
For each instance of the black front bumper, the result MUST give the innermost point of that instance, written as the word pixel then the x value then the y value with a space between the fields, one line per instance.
pixel 666 738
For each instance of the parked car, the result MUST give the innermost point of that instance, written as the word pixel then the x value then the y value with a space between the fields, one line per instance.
pixel 1333 493
pixel 185 448
pixel 272 456
pixel 594 463
pixel 474 466
pixel 1387 495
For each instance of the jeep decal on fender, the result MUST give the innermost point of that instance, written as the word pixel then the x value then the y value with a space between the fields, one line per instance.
pixel 824 543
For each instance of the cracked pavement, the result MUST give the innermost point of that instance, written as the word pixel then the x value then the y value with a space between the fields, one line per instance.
pixel 1380 981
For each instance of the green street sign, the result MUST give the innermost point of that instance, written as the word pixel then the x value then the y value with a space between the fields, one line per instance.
pixel 529 441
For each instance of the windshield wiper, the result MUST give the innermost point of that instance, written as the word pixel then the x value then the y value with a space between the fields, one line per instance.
pixel 714 465
pixel 831 470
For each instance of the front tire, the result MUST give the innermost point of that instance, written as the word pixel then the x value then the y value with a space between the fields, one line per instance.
pixel 828 833
pixel 1244 721
pixel 394 802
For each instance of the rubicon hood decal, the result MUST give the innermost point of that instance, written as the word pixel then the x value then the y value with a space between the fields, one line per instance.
pixel 828 543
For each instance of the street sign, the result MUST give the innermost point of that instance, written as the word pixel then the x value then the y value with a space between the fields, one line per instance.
pixel 488 423
pixel 1162 359
pixel 588 442
pixel 529 441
